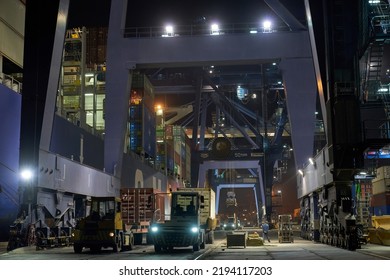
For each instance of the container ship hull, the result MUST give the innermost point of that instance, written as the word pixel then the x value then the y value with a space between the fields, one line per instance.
pixel 10 106
pixel 66 177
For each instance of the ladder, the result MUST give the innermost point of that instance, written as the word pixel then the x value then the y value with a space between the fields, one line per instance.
pixel 373 68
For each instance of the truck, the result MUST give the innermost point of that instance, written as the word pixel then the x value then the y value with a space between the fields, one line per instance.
pixel 232 223
pixel 103 227
pixel 140 208
pixel 192 221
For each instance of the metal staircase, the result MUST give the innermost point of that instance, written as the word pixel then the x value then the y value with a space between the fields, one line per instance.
pixel 373 70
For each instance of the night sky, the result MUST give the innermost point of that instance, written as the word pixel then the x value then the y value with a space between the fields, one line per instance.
pixel 93 13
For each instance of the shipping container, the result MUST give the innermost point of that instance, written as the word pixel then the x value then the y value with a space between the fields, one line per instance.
pixel 209 205
pixel 149 132
pixel 382 172
pixel 380 199
pixel 381 186
pixel 168 132
pixel 141 84
pixel 188 163
pixel 96 45
pixel 380 210
pixel 141 207
pixel 135 113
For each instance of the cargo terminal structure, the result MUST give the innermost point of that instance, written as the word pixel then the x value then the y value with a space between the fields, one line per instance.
pixel 86 137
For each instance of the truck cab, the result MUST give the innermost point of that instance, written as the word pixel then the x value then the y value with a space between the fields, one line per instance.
pixel 185 204
pixel 186 226
pixel 232 223
pixel 102 227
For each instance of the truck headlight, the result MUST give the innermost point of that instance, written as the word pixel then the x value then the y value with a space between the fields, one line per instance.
pixel 154 228
pixel 194 229
pixel 111 234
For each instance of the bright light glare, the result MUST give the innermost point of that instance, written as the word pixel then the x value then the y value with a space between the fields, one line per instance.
pixel 169 29
pixel 194 229
pixel 267 26
pixel 159 110
pixel 26 174
pixel 214 29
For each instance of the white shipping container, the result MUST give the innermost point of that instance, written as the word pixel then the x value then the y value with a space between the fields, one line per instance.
pixel 382 172
pixel 381 186
pixel 208 211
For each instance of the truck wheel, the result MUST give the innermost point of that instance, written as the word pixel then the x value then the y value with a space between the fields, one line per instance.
pixel 195 247
pixel 157 248
pixel 77 248
pixel 149 239
pixel 131 245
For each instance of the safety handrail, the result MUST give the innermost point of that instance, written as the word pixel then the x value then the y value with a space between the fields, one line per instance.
pixel 10 82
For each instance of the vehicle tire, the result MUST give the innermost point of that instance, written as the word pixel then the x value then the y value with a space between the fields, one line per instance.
pixel 195 247
pixel 131 245
pixel 77 248
pixel 65 238
pixel 149 239
pixel 157 248
pixel 39 235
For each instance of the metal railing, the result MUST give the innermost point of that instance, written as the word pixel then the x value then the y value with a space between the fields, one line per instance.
pixel 376 129
pixel 202 30
pixel 10 82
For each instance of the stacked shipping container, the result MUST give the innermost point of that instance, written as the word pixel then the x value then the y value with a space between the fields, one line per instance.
pixel 380 200
pixel 142 120
pixel 96 46
pixel 178 152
